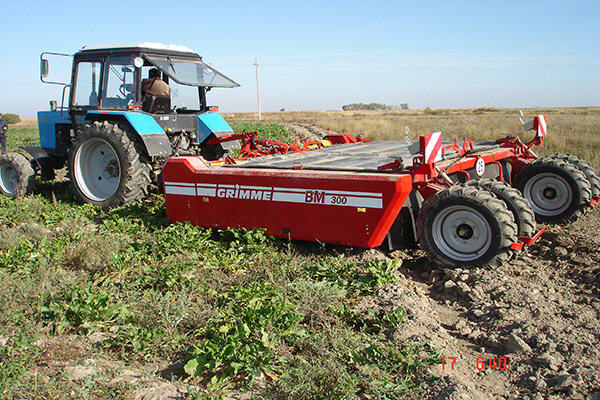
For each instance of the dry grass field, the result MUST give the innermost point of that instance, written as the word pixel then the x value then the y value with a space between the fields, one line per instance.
pixel 574 130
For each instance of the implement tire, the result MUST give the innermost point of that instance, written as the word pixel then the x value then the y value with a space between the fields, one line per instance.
pixel 466 226
pixel 105 166
pixel 590 172
pixel 17 178
pixel 516 203
pixel 557 190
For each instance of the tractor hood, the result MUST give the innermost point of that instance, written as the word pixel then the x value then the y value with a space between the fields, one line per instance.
pixel 190 71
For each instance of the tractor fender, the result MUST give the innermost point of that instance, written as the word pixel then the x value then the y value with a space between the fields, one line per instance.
pixel 41 161
pixel 155 140
pixel 212 124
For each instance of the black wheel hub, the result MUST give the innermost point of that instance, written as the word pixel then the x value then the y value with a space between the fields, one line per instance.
pixel 113 169
pixel 549 193
pixel 464 231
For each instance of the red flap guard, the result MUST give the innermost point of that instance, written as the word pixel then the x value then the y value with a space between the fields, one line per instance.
pixel 526 241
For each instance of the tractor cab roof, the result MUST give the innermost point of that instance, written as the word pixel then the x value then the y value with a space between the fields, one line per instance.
pixel 137 48
pixel 180 63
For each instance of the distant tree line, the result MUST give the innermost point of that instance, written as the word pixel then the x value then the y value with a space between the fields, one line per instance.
pixel 11 118
pixel 373 106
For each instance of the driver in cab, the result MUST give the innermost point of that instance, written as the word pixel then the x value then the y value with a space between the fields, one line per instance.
pixel 154 85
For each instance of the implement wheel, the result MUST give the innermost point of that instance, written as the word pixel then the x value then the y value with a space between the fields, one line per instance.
pixel 105 167
pixel 466 226
pixel 17 178
pixel 590 173
pixel 514 200
pixel 557 190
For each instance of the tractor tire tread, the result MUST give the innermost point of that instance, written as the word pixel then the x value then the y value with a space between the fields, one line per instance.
pixel 26 174
pixel 585 167
pixel 468 194
pixel 137 171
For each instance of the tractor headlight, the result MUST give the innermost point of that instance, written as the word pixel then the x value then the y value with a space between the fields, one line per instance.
pixel 138 62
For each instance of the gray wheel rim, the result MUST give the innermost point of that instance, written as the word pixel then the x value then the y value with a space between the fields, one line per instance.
pixel 462 233
pixel 548 193
pixel 97 170
pixel 9 179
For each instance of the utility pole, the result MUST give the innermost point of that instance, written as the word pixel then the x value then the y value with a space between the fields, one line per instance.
pixel 257 89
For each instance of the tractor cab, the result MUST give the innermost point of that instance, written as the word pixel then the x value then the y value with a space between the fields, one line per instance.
pixel 110 78
pixel 110 103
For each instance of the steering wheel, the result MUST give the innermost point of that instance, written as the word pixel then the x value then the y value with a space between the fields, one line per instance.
pixel 127 95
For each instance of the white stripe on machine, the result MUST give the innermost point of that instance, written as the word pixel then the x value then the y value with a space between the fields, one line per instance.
pixel 289 195
pixel 183 190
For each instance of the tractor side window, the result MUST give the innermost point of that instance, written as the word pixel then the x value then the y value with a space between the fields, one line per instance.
pixel 87 84
pixel 183 96
pixel 119 89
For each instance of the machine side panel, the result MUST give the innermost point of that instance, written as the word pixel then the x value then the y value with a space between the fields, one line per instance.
pixel 143 124
pixel 341 208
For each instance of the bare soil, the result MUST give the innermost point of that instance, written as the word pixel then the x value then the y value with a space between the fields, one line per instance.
pixel 540 312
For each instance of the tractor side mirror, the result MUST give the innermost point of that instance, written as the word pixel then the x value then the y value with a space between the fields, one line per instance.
pixel 44 68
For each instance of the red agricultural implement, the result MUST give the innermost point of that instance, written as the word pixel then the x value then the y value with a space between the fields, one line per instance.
pixel 466 203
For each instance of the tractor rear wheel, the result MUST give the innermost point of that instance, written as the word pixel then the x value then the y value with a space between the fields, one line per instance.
pixel 590 173
pixel 466 226
pixel 516 203
pixel 557 190
pixel 17 178
pixel 105 168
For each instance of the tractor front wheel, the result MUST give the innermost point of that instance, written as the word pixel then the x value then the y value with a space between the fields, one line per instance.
pixel 105 166
pixel 466 226
pixel 557 190
pixel 17 178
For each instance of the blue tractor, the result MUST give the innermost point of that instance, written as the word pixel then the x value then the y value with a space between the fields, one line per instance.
pixel 114 134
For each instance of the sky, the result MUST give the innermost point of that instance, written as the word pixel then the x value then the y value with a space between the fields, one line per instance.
pixel 320 55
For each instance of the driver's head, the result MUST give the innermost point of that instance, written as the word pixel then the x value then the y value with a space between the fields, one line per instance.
pixel 154 73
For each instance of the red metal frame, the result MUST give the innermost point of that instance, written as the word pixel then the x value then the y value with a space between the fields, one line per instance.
pixel 355 209
pixel 252 146
pixel 342 208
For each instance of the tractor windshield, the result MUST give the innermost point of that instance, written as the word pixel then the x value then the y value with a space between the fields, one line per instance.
pixel 191 72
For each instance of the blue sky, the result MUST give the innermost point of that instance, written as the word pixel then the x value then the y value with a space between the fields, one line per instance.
pixel 323 54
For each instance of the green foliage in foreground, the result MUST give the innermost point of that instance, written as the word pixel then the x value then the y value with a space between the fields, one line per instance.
pixel 230 305
pixel 233 303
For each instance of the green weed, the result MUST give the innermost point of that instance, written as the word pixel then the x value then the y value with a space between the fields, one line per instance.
pixel 82 308
pixel 265 130
pixel 253 321
pixel 354 278
pixel 16 358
